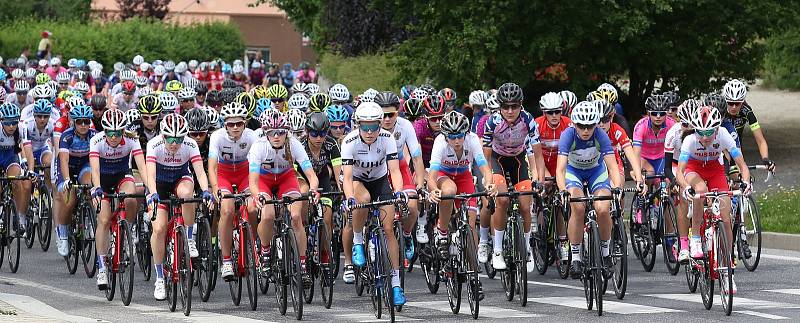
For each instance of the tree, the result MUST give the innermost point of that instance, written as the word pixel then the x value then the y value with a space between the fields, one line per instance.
pixel 51 9
pixel 156 9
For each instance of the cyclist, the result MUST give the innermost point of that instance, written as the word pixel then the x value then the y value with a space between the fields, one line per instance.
pixel 486 215
pixel 272 174
pixel 72 166
pixel 621 142
pixel 227 166
pixel 146 128
pixel 278 94
pixel 169 156
pixel 700 170
pixel 509 136
pixel 186 98
pixel 98 104
pixel 21 97
pixel 649 135
pixel 109 152
pixel 585 155
pixel 125 100
pixel 428 128
pixel 297 123
pixel 39 131
pixel 369 155
pixel 339 119
pixel 740 113
pixel 674 140
pixel 13 141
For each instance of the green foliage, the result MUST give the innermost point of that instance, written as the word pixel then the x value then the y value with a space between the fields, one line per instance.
pixel 359 73
pixel 779 209
pixel 782 60
pixel 49 9
pixel 110 42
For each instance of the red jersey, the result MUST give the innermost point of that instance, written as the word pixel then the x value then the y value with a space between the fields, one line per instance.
pixel 549 137
pixel 619 140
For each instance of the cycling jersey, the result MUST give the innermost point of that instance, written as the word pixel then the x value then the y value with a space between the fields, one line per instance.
pixel 272 78
pixel 619 141
pixel 511 139
pixel 27 113
pixel 445 159
pixel 98 86
pixel 170 167
pixel 745 117
pixel 11 97
pixel 549 137
pixel 425 138
pixel 651 142
pixel 329 155
pixel 10 146
pixel 691 149
pixel 405 135
pixel 728 125
pixel 119 101
pixel 584 154
pixel 305 76
pixel 39 138
pixel 114 160
pixel 229 153
pixel 76 146
pixel 266 160
pixel 368 160
pixel 672 137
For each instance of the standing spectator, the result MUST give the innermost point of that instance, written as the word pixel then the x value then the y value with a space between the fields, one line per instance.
pixel 45 46
pixel 257 74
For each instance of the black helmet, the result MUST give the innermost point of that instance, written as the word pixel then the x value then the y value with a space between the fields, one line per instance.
pixel 657 102
pixel 673 98
pixel 509 92
pixel 228 84
pixel 228 95
pixel 387 99
pixel 197 119
pixel 317 121
pixel 428 88
pixel 213 96
pixel 413 108
pixel 201 88
pixel 98 101
pixel 717 101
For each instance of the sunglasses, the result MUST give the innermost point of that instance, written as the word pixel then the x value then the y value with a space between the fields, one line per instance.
pixel 552 112
pixel 370 127
pixel 21 92
pixel 317 133
pixel 435 119
pixel 705 133
pixel 150 118
pixel 658 114
pixel 731 104
pixel 174 140
pixel 277 100
pixel 342 127
pixel 237 124
pixel 83 122
pixel 510 107
pixel 584 127
pixel 453 136
pixel 127 93
pixel 389 115
pixel 10 123
pixel 276 132
pixel 194 134
pixel 41 116
pixel 187 100
pixel 113 133
pixel 605 119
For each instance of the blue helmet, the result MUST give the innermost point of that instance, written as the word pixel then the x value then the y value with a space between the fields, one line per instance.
pixel 262 104
pixel 9 111
pixel 42 106
pixel 338 113
pixel 80 63
pixel 81 111
pixel 406 90
pixel 226 68
pixel 3 75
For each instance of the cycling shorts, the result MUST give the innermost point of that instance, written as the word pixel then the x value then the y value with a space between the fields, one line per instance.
pixel 279 185
pixel 5 163
pixel 464 185
pixel 79 172
pixel 227 177
pixel 596 177
pixel 658 164
pixel 550 164
pixel 713 173
pixel 167 189
pixel 325 185
pixel 408 182
pixel 112 182
pixel 517 169
pixel 379 189
pixel 37 154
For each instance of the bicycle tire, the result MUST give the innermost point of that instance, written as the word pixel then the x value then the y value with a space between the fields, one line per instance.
pixel 597 267
pixel 691 277
pixel 326 268
pixel 634 227
pixel 520 264
pixel 185 275
pixel 3 238
pixel 126 263
pixel 264 272
pixel 619 249
pixel 89 251
pixel 295 278
pixel 539 244
pixel 144 253
pixel 562 264
pixel 386 266
pixel 453 286
pixel 279 272
pixel 371 273
pixel 586 279
pixel 74 250
pixel 111 275
pixel 311 266
pixel 45 226
pixel 668 212
pixel 647 239
pixel 431 269
pixel 169 280
pixel 401 250
pixel 235 282
pixel 204 274
pixel 110 291
pixel 12 238
pixel 755 219
pixel 360 285
pixel 30 230
pixel 724 266
pixel 470 264
pixel 706 283
pixel 251 272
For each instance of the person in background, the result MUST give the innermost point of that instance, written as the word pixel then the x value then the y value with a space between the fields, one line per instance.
pixel 305 74
pixel 257 74
pixel 287 75
pixel 272 76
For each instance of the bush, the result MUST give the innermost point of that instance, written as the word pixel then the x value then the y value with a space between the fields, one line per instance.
pixel 119 41
pixel 359 73
pixel 782 60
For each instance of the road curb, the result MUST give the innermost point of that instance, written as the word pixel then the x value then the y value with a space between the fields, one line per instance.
pixel 785 241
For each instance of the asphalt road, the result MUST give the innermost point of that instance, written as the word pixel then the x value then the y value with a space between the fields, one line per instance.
pixel 43 289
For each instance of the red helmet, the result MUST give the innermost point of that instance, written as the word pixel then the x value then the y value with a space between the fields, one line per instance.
pixel 434 105
pixel 448 94
pixel 128 86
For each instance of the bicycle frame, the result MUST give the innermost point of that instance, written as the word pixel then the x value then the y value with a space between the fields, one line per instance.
pixel 712 218
pixel 175 216
pixel 118 214
pixel 237 220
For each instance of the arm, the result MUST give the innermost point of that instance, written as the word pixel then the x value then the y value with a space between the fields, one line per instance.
pixel 27 150
pixel 150 178
pixel 561 172
pixel 313 181
pixel 397 177
pixel 419 175
pixel 64 164
pixel 94 162
pixel 539 161
pixel 197 165
pixel 636 166
pixel 613 170
pixel 213 178
pixel 761 142
pixel 349 192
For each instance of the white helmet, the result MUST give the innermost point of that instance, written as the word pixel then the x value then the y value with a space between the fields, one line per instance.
pixel 30 72
pixel 91 64
pixel 478 97
pixel 570 99
pixel 127 75
pixel 213 116
pixel 299 87
pixel 298 101
pixel 313 88
pixel 138 60
pixel 237 69
pixel 187 93
pixel 159 70
pixel 132 115
pixel 369 95
pixel 297 119
pixel 551 101
pixel 96 74
pixel 144 67
pixel 43 63
pixel 180 68
pixel 170 66
pixel 41 92
pixel 21 86
pixel 168 102
pixel 114 119
pixel 609 87
pixel 419 94
pixel 339 92
pixel 75 101
pixel 492 103
pixel 174 125
pixel 687 109
pixel 191 83
pixel 17 73
pixel 142 91
pixel 82 87
pixel 119 66
pixel 193 63
pixel 734 91
pixel 706 118
pixel 256 65
pixel 586 113
pixel 55 61
pixel 232 110
pixel 72 62
pixel 369 111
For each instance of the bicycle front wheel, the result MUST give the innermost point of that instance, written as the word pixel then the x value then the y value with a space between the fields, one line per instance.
pixel 185 271
pixel 204 273
pixel 724 268
pixel 30 230
pixel 88 252
pixel 13 239
pixel 539 244
pixel 125 269
pixel 597 266
pixel 45 226
pixel 521 260
pixel 750 230
pixel 669 230
pixel 292 262
pixel 74 250
pixel 327 265
pixel 251 272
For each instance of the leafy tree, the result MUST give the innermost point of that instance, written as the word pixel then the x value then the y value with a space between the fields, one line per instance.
pixel 156 9
pixel 51 9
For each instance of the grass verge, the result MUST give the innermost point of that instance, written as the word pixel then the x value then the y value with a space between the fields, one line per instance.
pixel 779 210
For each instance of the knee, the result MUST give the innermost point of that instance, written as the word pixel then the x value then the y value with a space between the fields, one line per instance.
pixel 501 203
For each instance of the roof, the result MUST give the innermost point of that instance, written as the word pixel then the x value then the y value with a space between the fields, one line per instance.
pixel 205 7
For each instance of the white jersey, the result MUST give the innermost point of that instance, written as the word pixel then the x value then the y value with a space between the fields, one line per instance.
pixel 113 160
pixel 265 159
pixel 39 139
pixel 121 104
pixel 405 135
pixel 12 98
pixel 673 140
pixel 368 160
pixel 27 113
pixel 692 149
pixel 445 159
pixel 170 167
pixel 230 153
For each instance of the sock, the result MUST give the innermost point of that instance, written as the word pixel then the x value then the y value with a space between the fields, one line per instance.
pixel 302 261
pixel 575 249
pixel 23 220
pixel 484 235
pixel 358 238
pixel 159 271
pixel 61 231
pixel 684 243
pixel 406 234
pixel 528 239
pixel 395 278
pixel 226 259
pixel 442 233
pixel 101 264
pixel 604 247
pixel 498 241
pixel 264 250
pixel 670 241
pixel 189 232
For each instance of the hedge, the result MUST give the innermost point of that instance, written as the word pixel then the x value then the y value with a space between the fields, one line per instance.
pixel 782 60
pixel 359 73
pixel 110 42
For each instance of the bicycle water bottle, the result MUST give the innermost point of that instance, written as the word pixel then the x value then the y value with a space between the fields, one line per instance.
pixel 455 242
pixel 372 242
pixel 653 217
pixel 279 248
pixel 235 245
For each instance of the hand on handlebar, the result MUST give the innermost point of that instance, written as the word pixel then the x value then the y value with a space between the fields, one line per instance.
pixel 435 196
pixel 153 198
pixel 402 196
pixel 769 163
pixel 261 199
pixel 746 188
pixel 348 205
pixel 314 195
pixel 688 193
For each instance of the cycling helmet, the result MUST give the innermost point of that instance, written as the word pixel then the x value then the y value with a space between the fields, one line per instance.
pixel 673 97
pixel 248 101
pixel 428 88
pixel 259 91
pixel 159 70
pixel 53 85
pixel 142 91
pixel 80 75
pixel 119 66
pixel 228 95
pixel 297 119
pixel 338 113
pixel 149 104
pixel 138 60
pixel 81 111
pixel 21 86
pixel 42 106
pixel 434 106
pixel 75 101
pixel 317 121
pixel 213 97
pixel 3 94
pixel 133 116
pixel 201 88
pixel 569 98
pixel 238 69
pixel 42 78
pixel 449 95
pixel 169 103
pixel 277 91
pixel 688 108
pixel 413 108
pixel 478 98
pixel 144 67
pixel 657 102
pixel 181 67
pixel 17 73
pixel 3 75
pixel 41 92
pixel 63 77
pixel 173 86
pixel 716 101
pixel 405 91
pixel 174 125
pixel 369 111
pixel 609 87
pixel 186 93
pixel 605 94
pixel 387 99
pixel 454 122
pixel 297 101
pixel 319 102
pixel 551 101
pixel 98 101
pixel 274 119
pixel 585 113
pixel 9 111
pixel 706 118
pixel 419 94
pixel 233 110
pixel 127 75
pixel 734 91
pixel 313 88
pixel 169 66
pixel 96 74
pixel 339 93
pixel 81 87
pixel 128 87
pixel 300 87
pixel 55 61
pixel 228 84
pixel 369 95
pixel 509 92
pixel 114 119
pixel 213 117
pixel 190 83
pixel 197 119
pixel 604 107
pixel 30 72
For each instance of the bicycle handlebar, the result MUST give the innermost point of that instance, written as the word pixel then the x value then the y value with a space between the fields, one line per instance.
pixel 763 167
pixel 462 196
pixel 123 195
pixel 376 204
pixel 515 193
pixel 718 193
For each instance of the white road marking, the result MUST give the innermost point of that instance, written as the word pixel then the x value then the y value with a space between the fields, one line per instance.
pixel 737 301
pixel 530 282
pixel 485 311
pixel 35 307
pixel 787 258
pixel 364 317
pixel 763 315
pixel 608 306
pixel 795 291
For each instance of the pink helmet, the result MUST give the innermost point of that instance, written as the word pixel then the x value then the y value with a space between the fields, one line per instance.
pixel 273 119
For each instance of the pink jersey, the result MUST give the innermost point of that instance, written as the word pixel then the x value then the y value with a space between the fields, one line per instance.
pixel 651 142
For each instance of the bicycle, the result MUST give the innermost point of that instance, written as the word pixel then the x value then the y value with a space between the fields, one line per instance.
pixel 207 263
pixel 747 225
pixel 716 264
pixel 428 255
pixel 319 253
pixel 80 235
pixel 515 250
pixel 177 264
pixel 243 252
pixel 39 213
pixel 657 207
pixel 10 233
pixel 547 242
pixel 463 266
pixel 120 250
pixel 142 230
pixel 618 246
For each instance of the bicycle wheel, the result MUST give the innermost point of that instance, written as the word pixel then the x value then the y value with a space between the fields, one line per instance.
pixel 203 268
pixel 30 230
pixel 520 264
pixel 45 226
pixel 264 272
pixel 184 271
pixel 360 284
pixel 670 250
pixel 326 265
pixel 724 268
pixel 430 267
pixel 293 273
pixel 279 272
pixel 586 276
pixel 539 244
pixel 751 230
pixel 619 257
pixel 235 282
pixel 706 282
pixel 692 277
pixel 507 280
pixel 646 240
pixel 634 227
pixel 251 272
pixel 169 274
pixel 88 252
pixel 311 266
pixel 453 284
pixel 597 266
pixel 371 275
pixel 13 240
pixel 562 264
pixel 110 291
pixel 144 253
pixel 385 265
pixel 74 250
pixel 126 270
pixel 401 250
pixel 469 264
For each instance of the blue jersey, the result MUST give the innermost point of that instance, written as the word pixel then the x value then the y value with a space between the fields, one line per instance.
pixel 76 146
pixel 728 124
pixel 585 154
